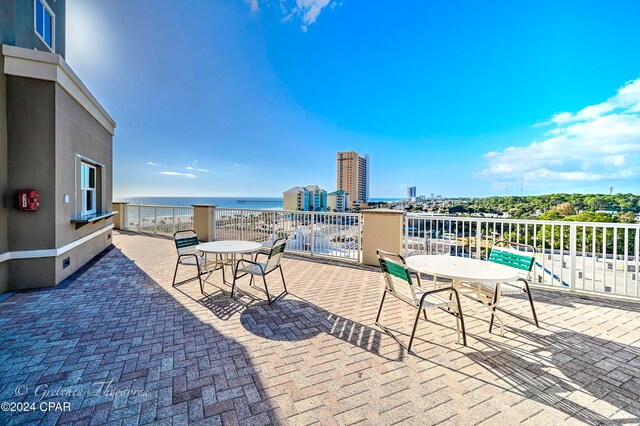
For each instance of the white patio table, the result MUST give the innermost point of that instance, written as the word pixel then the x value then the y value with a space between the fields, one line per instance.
pixel 467 274
pixel 230 248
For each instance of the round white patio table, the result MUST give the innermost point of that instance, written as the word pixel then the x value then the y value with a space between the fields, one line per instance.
pixel 469 273
pixel 462 269
pixel 227 247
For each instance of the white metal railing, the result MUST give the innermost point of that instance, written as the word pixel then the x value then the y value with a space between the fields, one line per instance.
pixel 324 233
pixel 586 256
pixel 154 219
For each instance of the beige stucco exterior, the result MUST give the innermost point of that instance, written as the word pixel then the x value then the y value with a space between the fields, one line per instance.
pixel 52 124
pixel 4 242
pixel 202 217
pixel 118 219
pixel 382 229
pixel 290 201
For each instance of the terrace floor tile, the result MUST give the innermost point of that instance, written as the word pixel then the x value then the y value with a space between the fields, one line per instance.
pixel 120 344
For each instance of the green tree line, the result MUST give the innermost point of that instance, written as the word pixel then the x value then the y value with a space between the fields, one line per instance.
pixel 574 207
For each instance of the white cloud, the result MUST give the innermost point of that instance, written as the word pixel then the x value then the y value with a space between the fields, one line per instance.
pixel 197 169
pixel 151 163
pixel 599 142
pixel 255 8
pixel 187 175
pixel 307 11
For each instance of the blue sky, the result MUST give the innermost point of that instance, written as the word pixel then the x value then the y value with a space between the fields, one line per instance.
pixel 250 98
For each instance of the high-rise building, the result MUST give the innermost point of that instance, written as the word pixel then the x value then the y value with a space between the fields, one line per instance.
pixel 352 176
pixel 411 192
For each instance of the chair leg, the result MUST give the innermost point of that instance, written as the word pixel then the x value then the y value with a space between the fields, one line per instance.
pixel 200 279
pixel 266 289
pixel 284 283
pixel 413 333
pixel 425 314
pixel 175 273
pixel 233 285
pixel 533 310
pixel 195 256
pixel 380 308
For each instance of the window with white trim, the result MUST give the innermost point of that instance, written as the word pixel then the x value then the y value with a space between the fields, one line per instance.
pixel 88 188
pixel 45 23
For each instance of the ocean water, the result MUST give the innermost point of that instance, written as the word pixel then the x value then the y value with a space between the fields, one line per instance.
pixel 255 203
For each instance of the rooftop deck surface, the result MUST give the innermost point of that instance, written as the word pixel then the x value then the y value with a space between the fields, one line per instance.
pixel 123 346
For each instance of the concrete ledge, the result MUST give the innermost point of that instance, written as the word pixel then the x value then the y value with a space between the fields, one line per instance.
pixel 36 254
pixel 381 211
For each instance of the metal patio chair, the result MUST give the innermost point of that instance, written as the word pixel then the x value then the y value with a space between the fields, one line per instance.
pixel 186 242
pixel 520 257
pixel 256 268
pixel 399 282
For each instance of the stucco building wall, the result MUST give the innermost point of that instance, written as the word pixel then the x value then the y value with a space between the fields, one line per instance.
pixel 3 177
pixel 52 124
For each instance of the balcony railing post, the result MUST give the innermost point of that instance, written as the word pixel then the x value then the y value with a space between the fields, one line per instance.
pixel 214 227
pixel 173 222
pixel 478 238
pixel 405 235
pixel 573 244
pixel 360 226
pixel 313 237
pixel 139 217
pixel 155 220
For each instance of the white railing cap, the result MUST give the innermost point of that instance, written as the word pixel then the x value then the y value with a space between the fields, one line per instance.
pixel 526 221
pixel 160 206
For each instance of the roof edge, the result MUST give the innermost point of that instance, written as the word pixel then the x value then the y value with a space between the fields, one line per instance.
pixel 21 62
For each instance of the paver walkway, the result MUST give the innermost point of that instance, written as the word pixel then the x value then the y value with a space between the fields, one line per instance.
pixel 122 346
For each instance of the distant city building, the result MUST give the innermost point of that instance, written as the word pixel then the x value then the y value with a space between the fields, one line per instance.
pixel 432 196
pixel 352 176
pixel 338 201
pixel 305 198
pixel 411 192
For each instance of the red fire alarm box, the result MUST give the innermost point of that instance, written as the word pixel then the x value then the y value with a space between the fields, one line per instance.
pixel 28 200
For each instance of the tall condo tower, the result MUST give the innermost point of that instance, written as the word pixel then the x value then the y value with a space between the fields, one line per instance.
pixel 411 192
pixel 352 176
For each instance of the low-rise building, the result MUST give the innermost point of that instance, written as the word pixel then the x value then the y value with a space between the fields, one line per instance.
pixel 55 153
pixel 338 201
pixel 305 198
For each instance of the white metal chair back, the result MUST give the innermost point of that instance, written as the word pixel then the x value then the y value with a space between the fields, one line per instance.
pixel 397 277
pixel 275 254
pixel 518 256
pixel 186 241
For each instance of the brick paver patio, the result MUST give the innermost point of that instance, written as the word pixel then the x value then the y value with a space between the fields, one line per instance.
pixel 122 346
